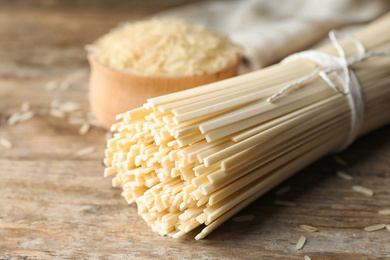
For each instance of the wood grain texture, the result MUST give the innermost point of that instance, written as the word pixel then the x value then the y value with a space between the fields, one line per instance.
pixel 54 205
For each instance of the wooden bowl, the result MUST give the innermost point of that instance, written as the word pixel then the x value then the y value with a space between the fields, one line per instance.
pixel 112 92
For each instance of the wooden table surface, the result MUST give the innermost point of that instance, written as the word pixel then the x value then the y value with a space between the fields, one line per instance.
pixel 55 205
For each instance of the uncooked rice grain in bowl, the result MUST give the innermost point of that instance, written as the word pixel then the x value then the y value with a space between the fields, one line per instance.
pixel 154 57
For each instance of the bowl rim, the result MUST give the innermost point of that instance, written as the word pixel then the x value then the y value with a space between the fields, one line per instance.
pixel 94 61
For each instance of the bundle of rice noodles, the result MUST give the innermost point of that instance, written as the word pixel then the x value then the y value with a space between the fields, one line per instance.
pixel 199 156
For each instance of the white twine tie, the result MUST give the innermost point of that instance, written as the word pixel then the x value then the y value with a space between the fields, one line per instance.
pixel 340 67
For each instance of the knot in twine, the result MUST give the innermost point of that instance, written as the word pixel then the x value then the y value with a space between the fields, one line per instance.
pixel 341 68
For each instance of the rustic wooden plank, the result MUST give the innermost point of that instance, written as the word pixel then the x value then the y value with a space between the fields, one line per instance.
pixel 70 209
pixel 56 205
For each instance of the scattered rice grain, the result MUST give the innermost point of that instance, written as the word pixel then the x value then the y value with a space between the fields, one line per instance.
pixel 55 103
pixel 51 85
pixel 388 227
pixel 307 257
pixel 340 161
pixel 85 151
pixel 26 106
pixel 84 128
pixel 283 190
pixel 94 122
pixel 6 143
pixel 57 113
pixel 76 120
pixel 363 190
pixel 301 243
pixel 384 212
pixel 244 218
pixel 344 176
pixel 26 116
pixel 69 107
pixel 375 227
pixel 309 228
pixel 285 203
pixel 13 119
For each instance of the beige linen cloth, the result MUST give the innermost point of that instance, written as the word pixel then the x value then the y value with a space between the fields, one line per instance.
pixel 270 30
